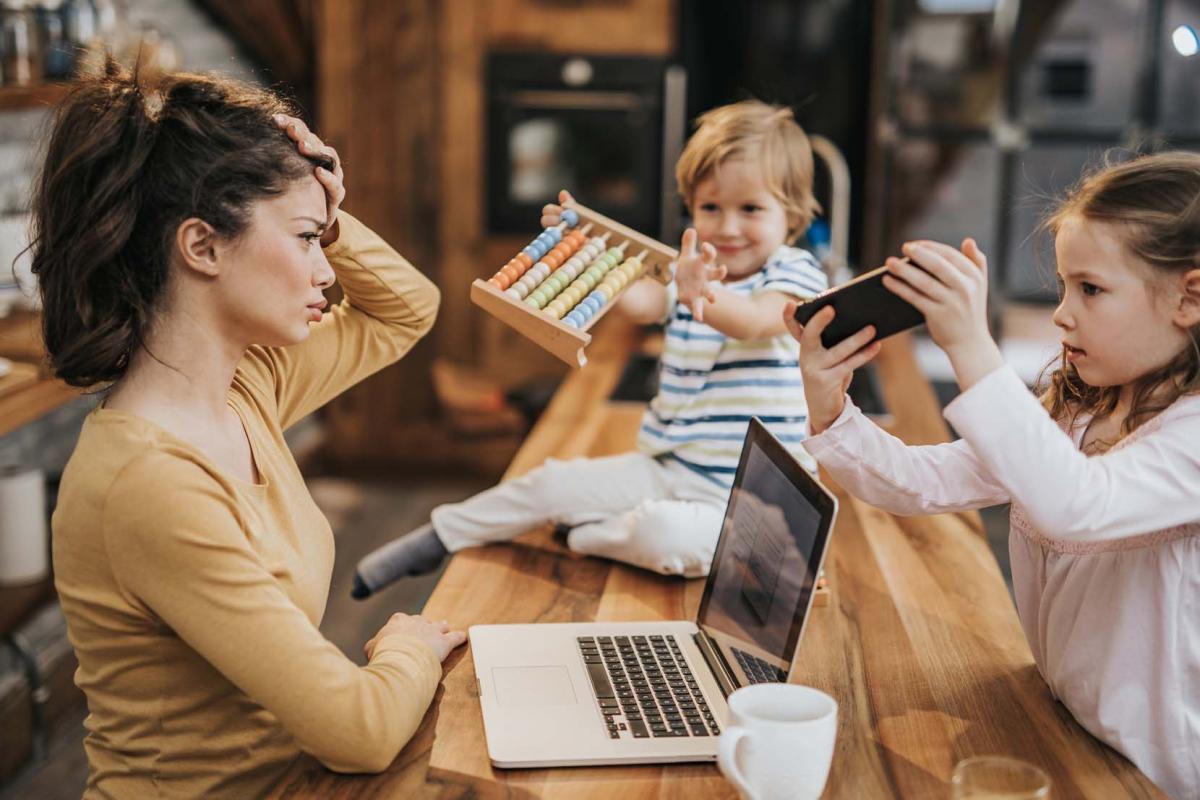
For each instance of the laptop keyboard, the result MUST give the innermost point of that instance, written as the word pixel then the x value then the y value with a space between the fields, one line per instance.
pixel 757 670
pixel 645 687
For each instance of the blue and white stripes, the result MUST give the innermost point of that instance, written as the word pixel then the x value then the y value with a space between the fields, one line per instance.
pixel 710 385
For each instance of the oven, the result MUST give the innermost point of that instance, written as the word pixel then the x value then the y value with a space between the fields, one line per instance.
pixel 609 129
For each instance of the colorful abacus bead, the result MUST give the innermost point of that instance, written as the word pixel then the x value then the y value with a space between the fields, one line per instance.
pixel 612 283
pixel 570 216
pixel 516 275
pixel 543 293
pixel 585 282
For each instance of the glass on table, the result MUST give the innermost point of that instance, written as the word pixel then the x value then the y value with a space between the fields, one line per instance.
pixel 998 778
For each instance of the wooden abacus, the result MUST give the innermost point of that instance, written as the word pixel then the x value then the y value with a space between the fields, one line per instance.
pixel 566 279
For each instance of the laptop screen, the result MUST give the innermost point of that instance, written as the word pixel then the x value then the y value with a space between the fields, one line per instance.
pixel 770 550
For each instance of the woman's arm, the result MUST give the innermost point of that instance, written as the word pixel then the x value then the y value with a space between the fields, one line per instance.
pixel 388 306
pixel 178 549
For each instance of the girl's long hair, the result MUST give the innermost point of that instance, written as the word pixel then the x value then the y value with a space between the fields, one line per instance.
pixel 1154 203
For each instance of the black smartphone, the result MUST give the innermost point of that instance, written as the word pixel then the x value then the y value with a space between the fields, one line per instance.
pixel 858 303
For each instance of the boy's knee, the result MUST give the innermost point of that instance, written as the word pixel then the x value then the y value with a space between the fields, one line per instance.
pixel 676 540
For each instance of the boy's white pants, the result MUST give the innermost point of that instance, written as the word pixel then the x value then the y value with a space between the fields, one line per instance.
pixel 633 508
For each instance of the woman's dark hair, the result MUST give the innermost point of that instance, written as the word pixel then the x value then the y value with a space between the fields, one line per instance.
pixel 125 165
pixel 1154 201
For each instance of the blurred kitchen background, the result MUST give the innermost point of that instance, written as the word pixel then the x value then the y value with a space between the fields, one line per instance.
pixel 457 120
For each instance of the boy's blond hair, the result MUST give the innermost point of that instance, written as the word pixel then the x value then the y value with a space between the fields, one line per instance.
pixel 759 132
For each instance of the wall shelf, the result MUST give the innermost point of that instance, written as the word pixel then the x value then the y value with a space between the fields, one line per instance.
pixel 40 95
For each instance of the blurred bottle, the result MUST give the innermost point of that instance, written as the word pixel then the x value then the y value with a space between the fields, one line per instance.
pixel 83 36
pixel 152 53
pixel 18 43
pixel 58 60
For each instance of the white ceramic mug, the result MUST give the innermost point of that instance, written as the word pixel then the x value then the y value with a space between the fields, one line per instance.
pixel 778 742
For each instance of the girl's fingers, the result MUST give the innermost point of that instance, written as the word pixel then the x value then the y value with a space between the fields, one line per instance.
pixel 847 347
pixel 708 254
pixel 811 333
pixel 971 249
pixel 933 286
pixel 790 322
pixel 863 356
pixel 698 309
pixel 564 197
pixel 905 292
pixel 943 257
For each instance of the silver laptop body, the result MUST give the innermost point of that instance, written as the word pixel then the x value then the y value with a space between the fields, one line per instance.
pixel 651 692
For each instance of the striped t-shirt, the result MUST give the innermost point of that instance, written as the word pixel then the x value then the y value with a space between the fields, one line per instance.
pixel 710 385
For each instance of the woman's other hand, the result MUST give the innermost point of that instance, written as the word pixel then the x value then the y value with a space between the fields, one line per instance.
pixel 435 634
pixel 333 180
pixel 827 372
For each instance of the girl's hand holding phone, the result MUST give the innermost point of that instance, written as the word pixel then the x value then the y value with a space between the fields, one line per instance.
pixel 949 287
pixel 827 372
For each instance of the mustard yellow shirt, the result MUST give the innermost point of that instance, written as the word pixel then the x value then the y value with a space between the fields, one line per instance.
pixel 193 598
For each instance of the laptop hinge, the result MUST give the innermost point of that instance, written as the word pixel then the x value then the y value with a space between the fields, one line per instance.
pixel 716 662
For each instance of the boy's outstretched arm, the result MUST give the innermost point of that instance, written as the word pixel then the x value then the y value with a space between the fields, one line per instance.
pixel 697 277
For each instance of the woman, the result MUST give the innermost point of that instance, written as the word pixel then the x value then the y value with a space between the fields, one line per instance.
pixel 183 237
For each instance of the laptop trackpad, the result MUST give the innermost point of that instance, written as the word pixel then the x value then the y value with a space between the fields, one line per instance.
pixel 532 687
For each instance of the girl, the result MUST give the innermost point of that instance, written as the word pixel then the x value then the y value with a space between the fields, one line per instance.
pixel 184 236
pixel 1103 475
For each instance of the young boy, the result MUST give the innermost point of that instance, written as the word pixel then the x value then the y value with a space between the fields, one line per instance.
pixel 746 177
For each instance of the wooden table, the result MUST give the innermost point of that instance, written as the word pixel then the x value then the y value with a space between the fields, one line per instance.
pixel 920 645
pixel 25 394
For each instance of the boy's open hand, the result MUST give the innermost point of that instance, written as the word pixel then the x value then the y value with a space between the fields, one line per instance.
pixel 694 271
pixel 552 212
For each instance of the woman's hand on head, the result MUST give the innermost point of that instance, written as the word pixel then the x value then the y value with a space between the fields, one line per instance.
pixel 694 273
pixel 827 371
pixel 435 634
pixel 552 212
pixel 333 181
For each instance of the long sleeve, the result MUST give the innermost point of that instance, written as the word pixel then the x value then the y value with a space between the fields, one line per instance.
pixel 388 307
pixel 877 467
pixel 180 551
pixel 1150 483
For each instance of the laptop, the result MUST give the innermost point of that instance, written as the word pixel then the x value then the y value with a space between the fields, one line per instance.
pixel 598 693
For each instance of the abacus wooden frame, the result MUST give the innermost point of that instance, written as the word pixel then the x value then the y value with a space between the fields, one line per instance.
pixel 554 335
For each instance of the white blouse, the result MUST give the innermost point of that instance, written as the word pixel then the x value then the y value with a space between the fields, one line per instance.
pixel 1105 552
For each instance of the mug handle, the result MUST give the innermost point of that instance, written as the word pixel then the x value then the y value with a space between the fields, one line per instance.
pixel 727 747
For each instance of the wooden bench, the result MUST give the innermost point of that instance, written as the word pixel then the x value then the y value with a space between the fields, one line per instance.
pixel 920 645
